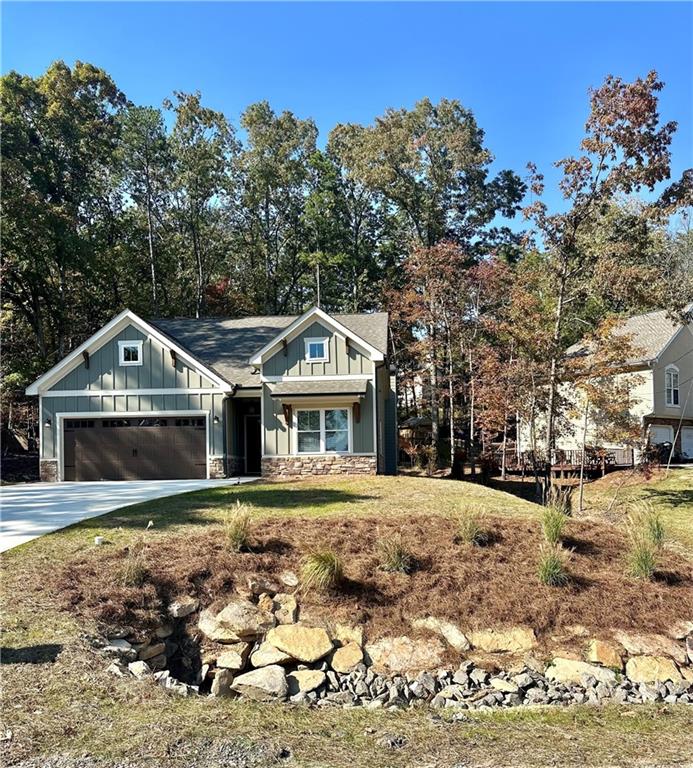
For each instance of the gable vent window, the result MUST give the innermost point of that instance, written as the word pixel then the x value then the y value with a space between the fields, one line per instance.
pixel 671 385
pixel 129 353
pixel 317 350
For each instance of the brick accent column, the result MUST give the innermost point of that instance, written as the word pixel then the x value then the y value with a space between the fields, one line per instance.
pixel 284 467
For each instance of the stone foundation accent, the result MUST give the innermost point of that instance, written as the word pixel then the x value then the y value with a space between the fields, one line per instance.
pixel 217 467
pixel 48 470
pixel 280 467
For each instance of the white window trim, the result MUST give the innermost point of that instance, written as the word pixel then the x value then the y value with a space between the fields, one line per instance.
pixel 325 341
pixel 322 451
pixel 670 404
pixel 127 363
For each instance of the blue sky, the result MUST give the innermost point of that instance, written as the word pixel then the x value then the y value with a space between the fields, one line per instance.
pixel 523 68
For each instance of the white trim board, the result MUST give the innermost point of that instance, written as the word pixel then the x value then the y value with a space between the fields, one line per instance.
pixel 98 339
pixel 62 415
pixel 333 377
pixel 130 392
pixel 293 329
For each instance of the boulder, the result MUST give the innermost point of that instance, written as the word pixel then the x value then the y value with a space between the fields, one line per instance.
pixel 267 654
pixel 304 681
pixel 345 634
pixel 651 645
pixel 571 671
pixel 234 656
pixel 504 686
pixel 119 647
pixel 265 684
pixel 652 669
pixel 221 685
pixel 239 620
pixel 451 633
pixel 183 606
pixel 288 579
pixel 607 653
pixel 306 644
pixel 116 669
pixel 346 657
pixel 680 630
pixel 265 602
pixel 151 651
pixel 139 669
pixel 402 654
pixel 285 608
pixel 512 639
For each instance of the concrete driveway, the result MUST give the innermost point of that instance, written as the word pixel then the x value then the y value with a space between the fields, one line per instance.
pixel 31 510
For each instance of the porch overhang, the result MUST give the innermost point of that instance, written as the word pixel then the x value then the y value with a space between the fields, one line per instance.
pixel 298 390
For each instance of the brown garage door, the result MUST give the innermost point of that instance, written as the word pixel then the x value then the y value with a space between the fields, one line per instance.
pixel 167 448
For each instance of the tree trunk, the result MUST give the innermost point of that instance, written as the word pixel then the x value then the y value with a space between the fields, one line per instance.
pixel 150 238
pixel 582 457
pixel 553 371
pixel 451 398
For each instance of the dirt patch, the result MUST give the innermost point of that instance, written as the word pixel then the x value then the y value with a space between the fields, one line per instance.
pixel 487 586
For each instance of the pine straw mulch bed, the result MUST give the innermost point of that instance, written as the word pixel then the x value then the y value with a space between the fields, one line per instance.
pixel 476 587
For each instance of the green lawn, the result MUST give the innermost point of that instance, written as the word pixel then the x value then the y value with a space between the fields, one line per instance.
pixel 671 494
pixel 71 705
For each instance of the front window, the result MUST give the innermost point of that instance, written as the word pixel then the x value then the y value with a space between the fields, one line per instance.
pixel 322 430
pixel 671 379
pixel 316 350
pixel 130 352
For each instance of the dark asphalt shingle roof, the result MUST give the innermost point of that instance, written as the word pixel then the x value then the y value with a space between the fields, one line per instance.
pixel 226 344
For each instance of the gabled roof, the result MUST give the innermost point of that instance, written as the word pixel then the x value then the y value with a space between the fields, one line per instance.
pixel 111 329
pixel 227 344
pixel 649 334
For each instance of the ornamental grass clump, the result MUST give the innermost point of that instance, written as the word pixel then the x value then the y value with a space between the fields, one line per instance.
pixel 133 572
pixel 237 527
pixel 394 556
pixel 321 570
pixel 553 565
pixel 646 537
pixel 470 529
pixel 553 520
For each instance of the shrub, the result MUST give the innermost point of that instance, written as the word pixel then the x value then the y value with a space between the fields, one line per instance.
pixel 553 520
pixel 321 570
pixel 469 527
pixel 133 572
pixel 237 527
pixel 394 556
pixel 553 562
pixel 642 557
pixel 646 535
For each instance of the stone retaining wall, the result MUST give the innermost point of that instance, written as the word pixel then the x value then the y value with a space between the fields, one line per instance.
pixel 280 467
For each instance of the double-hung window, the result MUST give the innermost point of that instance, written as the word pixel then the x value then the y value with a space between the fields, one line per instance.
pixel 671 385
pixel 129 353
pixel 322 430
pixel 317 350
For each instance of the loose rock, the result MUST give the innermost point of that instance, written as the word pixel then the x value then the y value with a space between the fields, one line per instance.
pixel 570 671
pixel 302 643
pixel 344 659
pixel 305 680
pixel 234 657
pixel 285 608
pixel 221 685
pixel 513 639
pixel 265 684
pixel 402 654
pixel 450 632
pixel 606 653
pixel 183 606
pixel 651 669
pixel 267 654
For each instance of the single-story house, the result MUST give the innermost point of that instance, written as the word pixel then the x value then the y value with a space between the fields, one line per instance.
pixel 662 395
pixel 278 396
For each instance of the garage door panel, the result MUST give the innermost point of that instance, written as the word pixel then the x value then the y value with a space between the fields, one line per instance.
pixel 109 450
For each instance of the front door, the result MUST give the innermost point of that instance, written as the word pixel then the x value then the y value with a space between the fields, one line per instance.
pixel 252 444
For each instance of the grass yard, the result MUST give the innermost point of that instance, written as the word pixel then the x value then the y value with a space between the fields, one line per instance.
pixel 671 494
pixel 55 589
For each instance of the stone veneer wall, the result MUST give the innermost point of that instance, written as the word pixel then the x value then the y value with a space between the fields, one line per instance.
pixel 48 470
pixel 328 464
pixel 217 467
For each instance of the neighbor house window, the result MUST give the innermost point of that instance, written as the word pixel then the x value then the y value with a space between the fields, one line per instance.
pixel 130 352
pixel 317 350
pixel 322 430
pixel 671 385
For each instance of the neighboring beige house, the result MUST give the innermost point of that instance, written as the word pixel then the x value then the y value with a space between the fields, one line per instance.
pixel 661 396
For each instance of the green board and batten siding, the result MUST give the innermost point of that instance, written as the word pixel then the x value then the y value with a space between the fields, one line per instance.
pixel 343 361
pixel 156 372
